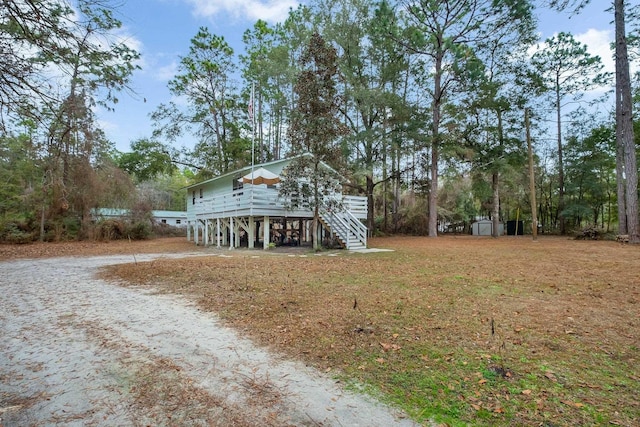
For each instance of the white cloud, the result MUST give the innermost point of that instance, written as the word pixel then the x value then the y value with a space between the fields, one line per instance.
pixel 167 72
pixel 599 44
pixel 126 37
pixel 270 11
pixel 180 101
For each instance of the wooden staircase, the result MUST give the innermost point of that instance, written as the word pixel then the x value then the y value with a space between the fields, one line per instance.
pixel 351 232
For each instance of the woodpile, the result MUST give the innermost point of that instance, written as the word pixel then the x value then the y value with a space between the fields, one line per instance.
pixel 622 238
pixel 588 233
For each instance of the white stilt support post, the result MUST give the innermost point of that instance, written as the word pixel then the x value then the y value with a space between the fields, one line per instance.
pixel 265 233
pixel 218 233
pixel 252 233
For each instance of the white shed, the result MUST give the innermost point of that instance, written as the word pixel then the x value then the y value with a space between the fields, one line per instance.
pixel 484 227
pixel 173 218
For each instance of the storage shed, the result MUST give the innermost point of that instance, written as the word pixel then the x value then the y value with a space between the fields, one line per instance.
pixel 484 227
pixel 173 218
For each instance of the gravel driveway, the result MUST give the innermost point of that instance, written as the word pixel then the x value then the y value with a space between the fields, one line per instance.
pixel 76 350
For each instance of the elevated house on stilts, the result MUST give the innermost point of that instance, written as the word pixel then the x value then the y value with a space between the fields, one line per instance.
pixel 243 208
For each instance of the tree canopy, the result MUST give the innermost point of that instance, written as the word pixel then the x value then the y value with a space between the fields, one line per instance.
pixel 420 105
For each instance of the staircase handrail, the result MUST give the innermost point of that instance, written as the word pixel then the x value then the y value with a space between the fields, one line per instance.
pixel 360 230
pixel 343 223
pixel 337 225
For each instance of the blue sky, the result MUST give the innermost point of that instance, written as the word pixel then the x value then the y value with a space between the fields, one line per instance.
pixel 161 31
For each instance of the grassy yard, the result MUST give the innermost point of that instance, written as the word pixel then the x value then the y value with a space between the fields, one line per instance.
pixel 454 330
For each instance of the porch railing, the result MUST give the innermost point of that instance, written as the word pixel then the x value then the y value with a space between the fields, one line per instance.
pixel 258 201
pixel 357 205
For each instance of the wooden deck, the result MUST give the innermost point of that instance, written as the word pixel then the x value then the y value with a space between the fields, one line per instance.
pixel 259 201
pixel 249 212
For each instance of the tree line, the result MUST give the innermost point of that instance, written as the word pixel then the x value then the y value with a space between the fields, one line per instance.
pixel 428 109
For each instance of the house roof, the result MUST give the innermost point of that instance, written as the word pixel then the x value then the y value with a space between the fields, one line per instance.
pixel 169 214
pixel 263 165
pixel 118 213
pixel 110 212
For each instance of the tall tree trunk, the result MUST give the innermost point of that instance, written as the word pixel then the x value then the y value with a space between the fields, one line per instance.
pixel 435 142
pixel 433 189
pixel 370 214
pixel 385 191
pixel 42 215
pixel 279 133
pixel 620 183
pixel 316 212
pixel 495 209
pixel 624 127
pixel 261 145
pixel 314 230
pixel 395 152
pixel 495 184
pixel 560 216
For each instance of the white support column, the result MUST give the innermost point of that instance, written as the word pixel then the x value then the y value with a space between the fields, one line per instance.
pixel 218 233
pixel 225 227
pixel 205 241
pixel 189 231
pixel 265 233
pixel 195 232
pixel 232 238
pixel 252 233
pixel 307 233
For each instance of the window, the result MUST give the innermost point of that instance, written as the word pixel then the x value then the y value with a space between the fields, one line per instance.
pixel 201 193
pixel 164 221
pixel 178 221
pixel 194 196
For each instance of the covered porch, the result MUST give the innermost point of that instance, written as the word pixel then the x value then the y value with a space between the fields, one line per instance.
pixel 255 217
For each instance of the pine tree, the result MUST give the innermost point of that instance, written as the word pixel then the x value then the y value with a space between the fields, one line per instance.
pixel 314 132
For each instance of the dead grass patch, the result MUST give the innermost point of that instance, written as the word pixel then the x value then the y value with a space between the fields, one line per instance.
pixel 455 329
pixel 168 397
pixel 161 393
pixel 89 248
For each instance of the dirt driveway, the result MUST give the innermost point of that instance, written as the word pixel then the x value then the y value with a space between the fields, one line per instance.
pixel 76 350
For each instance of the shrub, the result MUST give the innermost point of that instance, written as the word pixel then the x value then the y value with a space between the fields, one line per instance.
pixel 13 233
pixel 413 223
pixel 62 229
pixel 72 225
pixel 332 243
pixel 110 229
pixel 17 230
pixel 166 230
pixel 139 230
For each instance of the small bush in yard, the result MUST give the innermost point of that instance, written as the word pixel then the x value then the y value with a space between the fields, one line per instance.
pixel 166 230
pixel 140 230
pixel 12 233
pixel 110 229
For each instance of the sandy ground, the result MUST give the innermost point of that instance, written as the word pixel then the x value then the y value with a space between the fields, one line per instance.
pixel 76 350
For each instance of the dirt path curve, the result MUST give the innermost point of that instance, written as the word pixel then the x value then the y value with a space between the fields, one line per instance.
pixel 75 350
